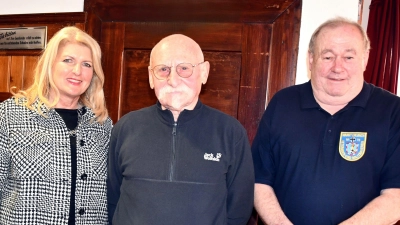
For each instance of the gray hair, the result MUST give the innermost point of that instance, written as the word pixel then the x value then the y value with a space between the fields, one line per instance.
pixel 334 23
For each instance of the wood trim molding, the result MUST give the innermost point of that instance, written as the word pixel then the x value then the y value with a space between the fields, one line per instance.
pixel 4 96
pixel 43 18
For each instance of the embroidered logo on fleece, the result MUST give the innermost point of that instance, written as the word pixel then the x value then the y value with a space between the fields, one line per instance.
pixel 352 145
pixel 211 157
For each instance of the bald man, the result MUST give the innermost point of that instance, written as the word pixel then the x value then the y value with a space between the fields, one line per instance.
pixel 179 161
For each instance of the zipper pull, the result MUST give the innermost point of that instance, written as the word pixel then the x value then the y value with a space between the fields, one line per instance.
pixel 174 129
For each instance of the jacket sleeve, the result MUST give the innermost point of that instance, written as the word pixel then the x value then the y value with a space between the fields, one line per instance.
pixel 4 153
pixel 240 183
pixel 114 178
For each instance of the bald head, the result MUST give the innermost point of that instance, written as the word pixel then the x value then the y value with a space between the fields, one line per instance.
pixel 176 55
pixel 177 43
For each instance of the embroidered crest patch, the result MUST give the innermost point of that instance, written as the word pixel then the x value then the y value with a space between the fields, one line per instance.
pixel 352 145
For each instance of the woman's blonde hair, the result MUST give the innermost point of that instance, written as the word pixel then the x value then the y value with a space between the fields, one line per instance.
pixel 92 98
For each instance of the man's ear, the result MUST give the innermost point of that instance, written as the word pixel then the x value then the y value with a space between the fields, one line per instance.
pixel 310 59
pixel 151 81
pixel 365 59
pixel 204 72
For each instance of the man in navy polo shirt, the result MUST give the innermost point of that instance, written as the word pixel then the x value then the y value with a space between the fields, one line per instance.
pixel 328 151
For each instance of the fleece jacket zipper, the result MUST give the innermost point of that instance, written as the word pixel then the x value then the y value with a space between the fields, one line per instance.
pixel 172 165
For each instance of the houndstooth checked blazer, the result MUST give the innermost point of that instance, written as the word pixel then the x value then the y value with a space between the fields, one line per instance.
pixel 35 167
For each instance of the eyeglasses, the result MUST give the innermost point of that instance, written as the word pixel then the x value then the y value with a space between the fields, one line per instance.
pixel 184 70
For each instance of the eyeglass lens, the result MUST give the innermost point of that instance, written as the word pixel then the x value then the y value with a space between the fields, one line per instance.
pixel 183 70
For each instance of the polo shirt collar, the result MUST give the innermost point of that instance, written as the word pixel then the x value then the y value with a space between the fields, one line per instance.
pixel 307 99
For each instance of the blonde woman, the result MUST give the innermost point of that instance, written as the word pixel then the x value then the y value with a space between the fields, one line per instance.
pixel 54 138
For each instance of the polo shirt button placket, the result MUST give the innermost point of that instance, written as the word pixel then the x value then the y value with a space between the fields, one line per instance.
pixel 330 130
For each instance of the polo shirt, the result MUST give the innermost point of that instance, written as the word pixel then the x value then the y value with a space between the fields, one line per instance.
pixel 324 168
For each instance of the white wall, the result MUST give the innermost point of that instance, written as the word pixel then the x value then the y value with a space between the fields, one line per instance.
pixel 365 14
pixel 39 6
pixel 315 12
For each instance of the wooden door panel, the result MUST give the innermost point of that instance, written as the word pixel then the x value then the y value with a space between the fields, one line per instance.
pixel 221 90
pixel 193 10
pixel 249 65
pixel 113 45
pixel 263 45
pixel 210 36
pixel 135 89
pixel 255 75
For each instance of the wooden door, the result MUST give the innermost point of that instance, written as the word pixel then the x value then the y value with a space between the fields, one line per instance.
pixel 251 46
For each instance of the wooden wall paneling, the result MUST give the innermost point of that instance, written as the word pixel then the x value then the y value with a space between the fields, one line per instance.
pixel 93 25
pixel 29 69
pixel 20 52
pixel 5 64
pixel 112 44
pixel 284 48
pixel 17 71
pixel 26 20
pixel 256 41
pixel 22 71
pixel 210 36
